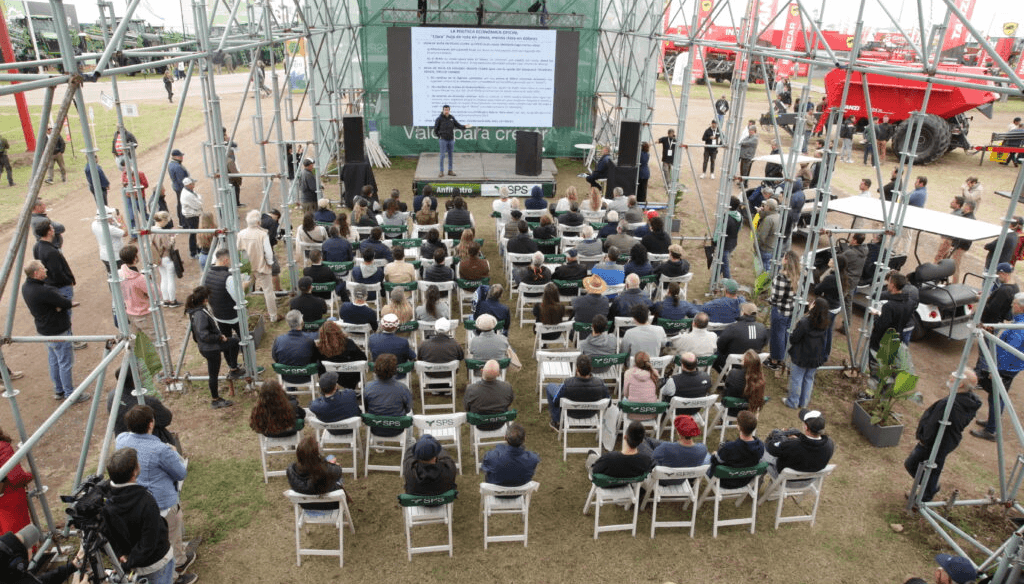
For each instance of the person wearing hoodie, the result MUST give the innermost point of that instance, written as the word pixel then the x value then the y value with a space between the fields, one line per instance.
pixel 641 384
pixel 768 232
pixel 806 450
pixel 806 353
pixel 965 405
pixel 212 343
pixel 135 292
pixel 733 221
pixel 428 468
pixel 536 199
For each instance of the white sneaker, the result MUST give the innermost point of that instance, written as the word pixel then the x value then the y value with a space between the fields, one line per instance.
pixel 712 175
pixel 702 175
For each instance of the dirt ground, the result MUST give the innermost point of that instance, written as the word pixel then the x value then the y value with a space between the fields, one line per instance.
pixel 248 526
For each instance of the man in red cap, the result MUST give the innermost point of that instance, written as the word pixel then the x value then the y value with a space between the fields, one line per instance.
pixel 683 453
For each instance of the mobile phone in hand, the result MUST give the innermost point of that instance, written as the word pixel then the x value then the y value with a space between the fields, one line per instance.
pixel 331 459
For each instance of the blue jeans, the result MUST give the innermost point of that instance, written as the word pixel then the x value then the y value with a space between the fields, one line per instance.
pixel 725 263
pixel 985 381
pixel 807 141
pixel 61 357
pixel 164 575
pixel 447 147
pixel 553 389
pixel 766 260
pixel 129 208
pixel 801 384
pixel 779 335
pixel 869 152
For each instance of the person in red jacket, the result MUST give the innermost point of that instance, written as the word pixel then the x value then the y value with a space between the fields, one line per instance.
pixel 13 496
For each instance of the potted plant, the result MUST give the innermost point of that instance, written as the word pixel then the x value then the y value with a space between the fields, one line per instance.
pixel 874 417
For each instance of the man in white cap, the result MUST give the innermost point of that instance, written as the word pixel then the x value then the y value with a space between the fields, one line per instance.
pixel 806 450
pixel 386 341
pixel 191 209
pixel 488 344
pixel 441 348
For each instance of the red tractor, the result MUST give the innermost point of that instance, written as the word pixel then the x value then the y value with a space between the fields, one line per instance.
pixel 945 126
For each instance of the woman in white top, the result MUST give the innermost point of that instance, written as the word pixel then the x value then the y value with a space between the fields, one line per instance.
pixel 594 202
pixel 566 202
pixel 310 233
pixel 433 307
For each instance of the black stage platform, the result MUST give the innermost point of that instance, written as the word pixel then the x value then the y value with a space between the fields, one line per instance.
pixel 483 174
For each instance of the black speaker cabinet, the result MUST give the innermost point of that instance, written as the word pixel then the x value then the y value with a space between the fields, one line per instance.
pixel 629 142
pixel 352 126
pixel 625 177
pixel 529 146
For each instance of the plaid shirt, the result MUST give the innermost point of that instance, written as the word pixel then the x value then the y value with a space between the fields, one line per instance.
pixel 782 294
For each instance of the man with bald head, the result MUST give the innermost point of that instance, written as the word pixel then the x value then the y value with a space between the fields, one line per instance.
pixel 490 395
pixel 630 297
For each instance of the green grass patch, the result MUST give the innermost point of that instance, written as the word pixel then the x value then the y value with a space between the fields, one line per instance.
pixel 216 505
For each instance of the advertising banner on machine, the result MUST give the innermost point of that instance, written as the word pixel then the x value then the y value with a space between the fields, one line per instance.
pixel 956 33
pixel 784 66
pixel 703 13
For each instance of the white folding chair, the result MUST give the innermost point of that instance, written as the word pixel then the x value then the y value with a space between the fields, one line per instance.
pixel 593 423
pixel 613 374
pixel 421 231
pixel 529 294
pixel 656 409
pixel 427 510
pixel 475 366
pixel 620 325
pixel 705 362
pixel 795 484
pixel 305 248
pixel 569 230
pixel 340 443
pixel 685 492
pixel 659 363
pixel 563 330
pixel 437 384
pixel 386 443
pixel 664 281
pixel 358 367
pixel 482 438
pixel 446 428
pixel 466 292
pixel 276 446
pixel 516 260
pixel 498 500
pixel 722 420
pixel 657 258
pixel 702 418
pixel 359 333
pixel 339 518
pixel 446 289
pixel 594 216
pixel 363 232
pixel 298 388
pixel 533 215
pixel 606 490
pixel 719 493
pixel 731 361
pixel 553 368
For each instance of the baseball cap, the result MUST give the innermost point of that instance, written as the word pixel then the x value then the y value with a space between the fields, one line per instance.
pixel 572 253
pixel 814 420
pixel 177 152
pixel 730 286
pixel 188 181
pixel 959 568
pixel 652 214
pixel 1004 267
pixel 328 381
pixel 426 447
pixel 442 325
pixel 307 161
pixel 685 426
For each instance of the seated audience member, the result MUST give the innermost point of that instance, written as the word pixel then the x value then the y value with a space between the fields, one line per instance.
pixel 806 450
pixel 474 267
pixel 399 271
pixel 345 230
pixel 424 199
pixel 433 307
pixel 386 341
pixel 386 396
pixel 599 342
pixel 536 199
pixel 362 215
pixel 432 244
pixel 689 383
pixel 610 271
pixel 589 244
pixel 522 242
pixel 594 201
pixel 744 452
pixel 571 270
pixel 393 214
pixel 428 468
pixel 745 333
pixel 461 250
pixel 427 214
pixel 502 205
pixel 624 464
pixel 511 228
pixel 726 308
pixel 490 395
pixel 310 232
pixel 582 387
pixel 746 381
pixel 334 346
pixel 683 453
pixel 699 341
pixel 634 214
pixel 675 266
pixel 621 238
pixel 323 212
pixel 336 248
pixel 319 273
pixel 312 307
pixel 630 297
pixel 396 196
pixel 641 231
pixel 673 307
pixel 492 305
pixel 357 311
pixel 441 348
pixel 545 231
pixel 375 242
pixel 509 464
pixel 643 337
pixel 459 215
pixel 366 272
pixel 572 217
pixel 638 263
pixel 437 271
pixel 549 310
pixel 312 474
pixel 294 347
pixel 592 303
pixel 640 384
pixel 398 305
pixel 161 415
pixel 276 414
pixel 619 202
pixel 610 228
pixel 536 273
pixel 658 240
pixel 488 344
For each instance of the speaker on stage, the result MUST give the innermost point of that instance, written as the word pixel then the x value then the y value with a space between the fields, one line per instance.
pixel 629 142
pixel 529 146
pixel 352 126
pixel 625 177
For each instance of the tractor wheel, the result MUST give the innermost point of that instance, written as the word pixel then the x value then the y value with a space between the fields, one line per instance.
pixel 931 144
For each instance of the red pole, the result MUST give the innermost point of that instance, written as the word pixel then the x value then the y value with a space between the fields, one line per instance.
pixel 19 98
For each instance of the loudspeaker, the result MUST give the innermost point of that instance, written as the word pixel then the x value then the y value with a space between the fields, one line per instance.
pixel 629 142
pixel 625 177
pixel 528 150
pixel 352 126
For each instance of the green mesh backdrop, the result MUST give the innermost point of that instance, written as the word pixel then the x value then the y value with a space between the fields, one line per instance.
pixel 413 140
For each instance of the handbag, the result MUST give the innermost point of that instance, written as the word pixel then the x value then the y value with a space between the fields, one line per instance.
pixel 179 266
pixel 514 364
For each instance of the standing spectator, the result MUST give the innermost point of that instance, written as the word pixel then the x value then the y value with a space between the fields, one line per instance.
pixel 768 232
pixel 721 108
pixel 444 128
pixel 668 152
pixel 233 173
pixel 869 144
pixel 169 84
pixel 52 313
pixel 645 172
pixel 748 150
pixel 1000 301
pixel 212 343
pixel 191 209
pixel 14 512
pixel 58 157
pixel 733 222
pixel 965 405
pixel 117 228
pixel 39 215
pixel 162 244
pixel 5 160
pixel 223 295
pixel 972 191
pixel 134 184
pixel 509 464
pixel 782 298
pixel 846 132
pixel 255 242
pixel 104 183
pixel 712 139
pixel 135 292
pixel 1008 366
pixel 1013 247
pixel 58 272
pixel 883 132
pixel 806 353
pixel 895 313
pixel 308 187
pixel 919 196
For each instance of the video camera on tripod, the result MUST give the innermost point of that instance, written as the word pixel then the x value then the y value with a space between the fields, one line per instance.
pixel 86 513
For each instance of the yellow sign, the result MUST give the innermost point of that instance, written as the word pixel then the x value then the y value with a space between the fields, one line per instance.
pixel 1009 28
pixel 706 6
pixel 849 42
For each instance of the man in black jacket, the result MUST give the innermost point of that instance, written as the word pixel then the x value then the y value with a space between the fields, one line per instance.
pixel 583 387
pixel 602 170
pixel 894 314
pixel 965 405
pixel 712 139
pixel 52 313
pixel 997 309
pixel 807 450
pixel 522 243
pixel 745 333
pixel 58 272
pixel 312 307
pixel 689 383
pixel 222 289
pixel 571 270
pixel 429 469
pixel 444 129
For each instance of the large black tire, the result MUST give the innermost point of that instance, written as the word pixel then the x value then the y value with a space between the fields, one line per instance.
pixel 932 143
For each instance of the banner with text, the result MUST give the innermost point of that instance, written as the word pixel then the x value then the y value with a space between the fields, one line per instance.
pixel 698 55
pixel 784 67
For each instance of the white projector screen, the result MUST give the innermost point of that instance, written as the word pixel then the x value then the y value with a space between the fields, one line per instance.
pixel 489 77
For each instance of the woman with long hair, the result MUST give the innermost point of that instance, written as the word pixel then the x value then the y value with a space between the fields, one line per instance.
pixel 433 307
pixel 594 201
pixel 747 381
pixel 163 243
pixel 205 241
pixel 344 229
pixel 782 299
pixel 335 346
pixel 310 232
pixel 640 384
pixel 461 251
pixel 806 354
pixel 565 203
pixel 276 414
pixel 638 263
pixel 13 493
pixel 399 305
pixel 828 288
pixel 673 307
pixel 312 474
pixel 212 343
pixel 550 310
pixel 427 215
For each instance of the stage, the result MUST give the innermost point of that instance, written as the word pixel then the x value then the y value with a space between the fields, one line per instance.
pixel 483 174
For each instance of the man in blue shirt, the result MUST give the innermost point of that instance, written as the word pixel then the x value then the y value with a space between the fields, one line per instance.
pixel 609 270
pixel 160 470
pixel 492 305
pixel 509 464
pixel 387 341
pixel 1008 367
pixel 380 250
pixel 725 309
pixel 335 405
pixel 919 196
pixel 357 312
pixel 294 347
pixel 178 174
